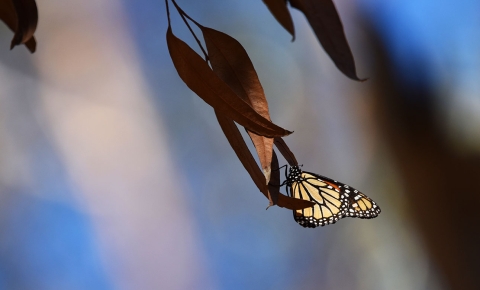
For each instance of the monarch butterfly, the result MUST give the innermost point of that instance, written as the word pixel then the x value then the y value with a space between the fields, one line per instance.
pixel 333 200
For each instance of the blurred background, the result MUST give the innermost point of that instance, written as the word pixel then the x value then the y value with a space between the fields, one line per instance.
pixel 114 175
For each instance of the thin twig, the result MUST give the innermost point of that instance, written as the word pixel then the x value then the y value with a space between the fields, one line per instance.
pixel 168 12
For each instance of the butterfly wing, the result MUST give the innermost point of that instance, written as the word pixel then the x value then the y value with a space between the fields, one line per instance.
pixel 360 205
pixel 330 204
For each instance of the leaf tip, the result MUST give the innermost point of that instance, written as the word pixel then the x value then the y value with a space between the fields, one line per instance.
pixel 354 77
pixel 267 172
pixel 269 206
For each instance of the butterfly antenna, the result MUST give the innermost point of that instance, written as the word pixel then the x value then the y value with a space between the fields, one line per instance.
pixel 286 176
pixel 280 167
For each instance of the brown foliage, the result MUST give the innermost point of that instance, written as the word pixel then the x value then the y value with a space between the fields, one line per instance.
pixel 232 87
pixel 199 77
pixel 286 152
pixel 231 63
pixel 21 16
pixel 238 144
pixel 279 10
pixel 327 26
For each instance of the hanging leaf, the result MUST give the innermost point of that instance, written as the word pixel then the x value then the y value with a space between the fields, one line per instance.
pixel 286 152
pixel 238 144
pixel 274 184
pixel 279 10
pixel 293 203
pixel 264 148
pixel 198 76
pixel 325 21
pixel 21 16
pixel 231 63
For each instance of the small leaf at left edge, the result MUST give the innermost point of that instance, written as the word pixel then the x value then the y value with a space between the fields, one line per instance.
pixel 21 16
pixel 280 11
pixel 232 64
pixel 240 147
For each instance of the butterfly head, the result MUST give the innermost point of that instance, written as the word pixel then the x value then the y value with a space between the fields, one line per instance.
pixel 294 175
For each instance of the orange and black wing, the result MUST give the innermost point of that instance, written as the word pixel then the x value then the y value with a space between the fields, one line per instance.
pixel 330 203
pixel 359 205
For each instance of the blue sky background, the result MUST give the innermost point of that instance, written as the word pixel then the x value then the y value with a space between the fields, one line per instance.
pixel 49 234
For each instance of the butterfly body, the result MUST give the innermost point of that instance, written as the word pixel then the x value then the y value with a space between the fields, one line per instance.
pixel 333 200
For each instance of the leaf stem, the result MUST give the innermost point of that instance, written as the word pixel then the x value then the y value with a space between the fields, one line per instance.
pixel 186 15
pixel 183 15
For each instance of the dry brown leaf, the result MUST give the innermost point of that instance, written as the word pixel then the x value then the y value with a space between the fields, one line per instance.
pixel 286 152
pixel 325 21
pixel 231 63
pixel 238 144
pixel 280 11
pixel 274 184
pixel 198 76
pixel 8 14
pixel 293 203
pixel 21 16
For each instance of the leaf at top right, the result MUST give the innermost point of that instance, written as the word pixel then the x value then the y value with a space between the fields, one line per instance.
pixel 279 10
pixel 325 22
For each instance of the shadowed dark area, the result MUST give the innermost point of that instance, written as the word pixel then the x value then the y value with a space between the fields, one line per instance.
pixel 440 179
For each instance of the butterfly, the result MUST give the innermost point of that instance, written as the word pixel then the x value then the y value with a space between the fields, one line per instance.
pixel 333 200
